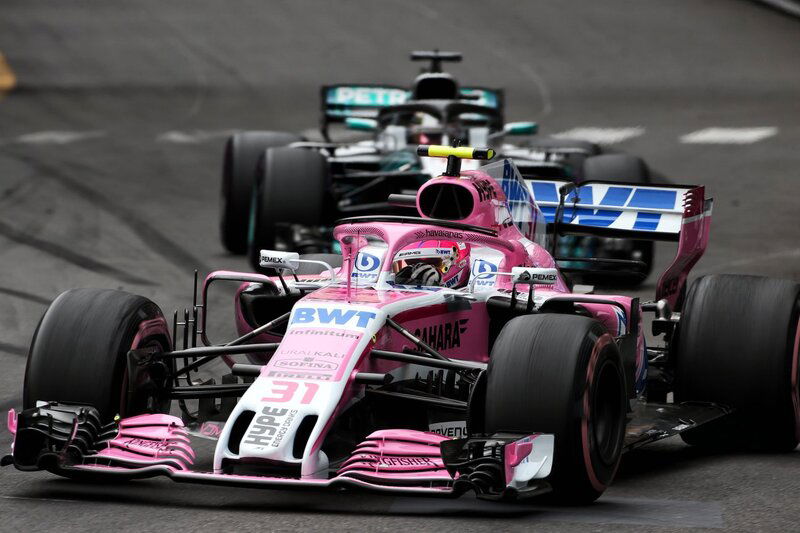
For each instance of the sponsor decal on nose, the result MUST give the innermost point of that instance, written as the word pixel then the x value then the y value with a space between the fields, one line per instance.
pixel 324 315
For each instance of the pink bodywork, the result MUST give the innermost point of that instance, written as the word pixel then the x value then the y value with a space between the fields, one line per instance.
pixel 147 440
pixel 11 422
pixel 398 455
pixel 420 452
pixel 395 459
pixel 695 228
pixel 335 349
pixel 516 452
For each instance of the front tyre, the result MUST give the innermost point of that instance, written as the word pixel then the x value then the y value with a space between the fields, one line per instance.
pixel 79 352
pixel 563 375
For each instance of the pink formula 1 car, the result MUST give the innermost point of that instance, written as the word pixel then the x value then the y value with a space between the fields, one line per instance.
pixel 441 353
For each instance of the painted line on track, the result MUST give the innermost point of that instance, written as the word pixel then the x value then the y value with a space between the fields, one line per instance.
pixel 717 135
pixel 193 137
pixel 58 137
pixel 601 135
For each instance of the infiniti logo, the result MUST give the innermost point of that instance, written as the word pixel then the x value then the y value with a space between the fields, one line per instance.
pixel 366 262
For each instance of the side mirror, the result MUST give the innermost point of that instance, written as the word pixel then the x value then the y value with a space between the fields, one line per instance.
pixel 534 276
pixel 289 261
pixel 279 260
pixel 521 128
pixel 361 124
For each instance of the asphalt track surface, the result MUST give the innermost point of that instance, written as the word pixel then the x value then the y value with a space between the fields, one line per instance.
pixel 110 151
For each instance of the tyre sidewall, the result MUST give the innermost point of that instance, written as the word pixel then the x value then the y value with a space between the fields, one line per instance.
pixel 79 351
pixel 557 359
pixel 737 346
pixel 241 155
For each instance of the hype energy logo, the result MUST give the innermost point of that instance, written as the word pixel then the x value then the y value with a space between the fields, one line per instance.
pixel 489 269
pixel 324 316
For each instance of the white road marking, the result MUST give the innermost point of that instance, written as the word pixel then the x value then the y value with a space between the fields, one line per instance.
pixel 601 135
pixel 194 136
pixel 729 135
pixel 58 137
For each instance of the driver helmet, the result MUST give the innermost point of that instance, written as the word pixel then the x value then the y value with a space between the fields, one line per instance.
pixel 433 264
pixel 426 129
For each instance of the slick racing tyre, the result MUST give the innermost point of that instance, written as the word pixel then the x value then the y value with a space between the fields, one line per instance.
pixel 561 374
pixel 627 169
pixel 291 188
pixel 242 152
pixel 79 352
pixel 737 345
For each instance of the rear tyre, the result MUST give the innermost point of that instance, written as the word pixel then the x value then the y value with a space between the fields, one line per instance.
pixel 79 352
pixel 291 187
pixel 561 374
pixel 627 169
pixel 242 151
pixel 737 345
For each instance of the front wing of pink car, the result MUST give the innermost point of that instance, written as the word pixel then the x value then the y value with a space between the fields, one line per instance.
pixel 69 440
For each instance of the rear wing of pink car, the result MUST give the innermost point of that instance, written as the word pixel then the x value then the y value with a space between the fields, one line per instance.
pixel 679 213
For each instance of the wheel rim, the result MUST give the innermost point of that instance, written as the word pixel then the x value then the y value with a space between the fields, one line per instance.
pixel 147 336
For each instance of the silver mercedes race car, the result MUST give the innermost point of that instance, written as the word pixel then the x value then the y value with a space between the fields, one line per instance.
pixel 281 191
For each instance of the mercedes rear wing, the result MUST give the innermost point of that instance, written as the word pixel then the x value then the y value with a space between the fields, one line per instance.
pixel 678 213
pixel 365 100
